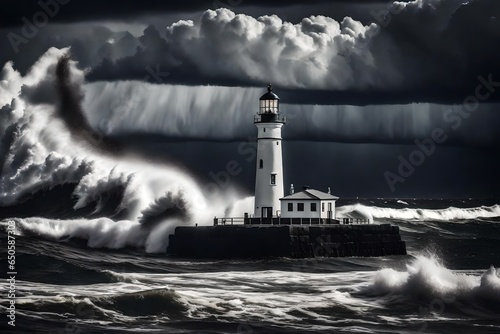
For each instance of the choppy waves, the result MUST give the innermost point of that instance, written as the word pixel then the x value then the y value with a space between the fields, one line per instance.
pixel 414 214
pixel 152 234
pixel 424 293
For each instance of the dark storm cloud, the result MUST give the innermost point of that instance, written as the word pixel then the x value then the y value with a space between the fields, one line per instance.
pixel 148 113
pixel 92 10
pixel 90 43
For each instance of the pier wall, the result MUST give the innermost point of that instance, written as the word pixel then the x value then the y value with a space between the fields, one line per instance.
pixel 259 241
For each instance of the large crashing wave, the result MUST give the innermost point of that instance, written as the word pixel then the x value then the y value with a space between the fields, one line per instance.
pixel 46 142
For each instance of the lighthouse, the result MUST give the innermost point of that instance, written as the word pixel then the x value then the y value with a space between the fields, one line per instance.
pixel 269 174
pixel 295 225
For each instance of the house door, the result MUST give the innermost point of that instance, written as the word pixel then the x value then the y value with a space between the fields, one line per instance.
pixel 330 212
pixel 267 212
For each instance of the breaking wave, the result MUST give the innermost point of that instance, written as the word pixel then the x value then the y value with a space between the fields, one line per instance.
pixel 427 280
pixel 449 214
pixel 101 232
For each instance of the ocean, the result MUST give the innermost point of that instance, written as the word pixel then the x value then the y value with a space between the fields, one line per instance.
pixel 448 282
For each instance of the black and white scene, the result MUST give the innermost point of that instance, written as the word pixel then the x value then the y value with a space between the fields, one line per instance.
pixel 250 166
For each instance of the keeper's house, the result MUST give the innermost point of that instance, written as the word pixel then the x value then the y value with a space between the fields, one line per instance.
pixel 309 203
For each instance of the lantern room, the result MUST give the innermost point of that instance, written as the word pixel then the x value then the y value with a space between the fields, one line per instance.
pixel 269 102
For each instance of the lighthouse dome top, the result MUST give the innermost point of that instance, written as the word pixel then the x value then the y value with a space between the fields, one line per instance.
pixel 270 94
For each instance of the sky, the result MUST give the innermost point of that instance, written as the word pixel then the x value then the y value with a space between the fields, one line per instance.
pixel 383 98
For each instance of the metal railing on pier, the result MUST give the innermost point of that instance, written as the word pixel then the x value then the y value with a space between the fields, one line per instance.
pixel 355 220
pixel 229 221
pixel 287 221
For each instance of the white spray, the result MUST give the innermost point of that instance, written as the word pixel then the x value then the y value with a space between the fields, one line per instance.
pixel 40 150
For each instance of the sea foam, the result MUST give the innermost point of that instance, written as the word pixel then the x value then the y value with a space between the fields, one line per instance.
pixel 448 214
pixel 427 279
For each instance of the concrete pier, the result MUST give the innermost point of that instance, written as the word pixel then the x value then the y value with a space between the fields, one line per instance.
pixel 260 241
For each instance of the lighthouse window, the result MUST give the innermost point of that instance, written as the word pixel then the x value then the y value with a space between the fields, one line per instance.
pixel 300 206
pixel 264 129
pixel 313 206
pixel 290 206
pixel 273 179
pixel 261 163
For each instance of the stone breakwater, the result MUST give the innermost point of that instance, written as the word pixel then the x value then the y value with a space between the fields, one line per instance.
pixel 260 241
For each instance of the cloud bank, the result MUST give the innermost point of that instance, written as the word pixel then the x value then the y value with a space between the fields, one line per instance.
pixel 217 113
pixel 415 51
pixel 440 59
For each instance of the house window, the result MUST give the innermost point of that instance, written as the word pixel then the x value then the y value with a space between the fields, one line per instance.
pixel 322 207
pixel 273 179
pixel 264 129
pixel 261 163
pixel 290 206
pixel 313 206
pixel 300 206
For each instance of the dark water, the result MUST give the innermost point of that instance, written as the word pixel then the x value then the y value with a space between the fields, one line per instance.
pixel 447 284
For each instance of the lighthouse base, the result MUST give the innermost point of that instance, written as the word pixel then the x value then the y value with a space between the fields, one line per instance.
pixel 260 241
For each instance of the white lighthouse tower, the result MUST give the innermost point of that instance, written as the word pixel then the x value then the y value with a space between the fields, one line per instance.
pixel 269 176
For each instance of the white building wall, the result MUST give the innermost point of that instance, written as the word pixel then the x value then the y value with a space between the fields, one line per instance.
pixel 270 152
pixel 307 213
pixel 325 213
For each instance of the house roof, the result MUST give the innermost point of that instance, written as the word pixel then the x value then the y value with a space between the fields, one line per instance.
pixel 310 194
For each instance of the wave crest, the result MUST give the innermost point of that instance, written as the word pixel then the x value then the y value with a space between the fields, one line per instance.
pixel 427 280
pixel 449 214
